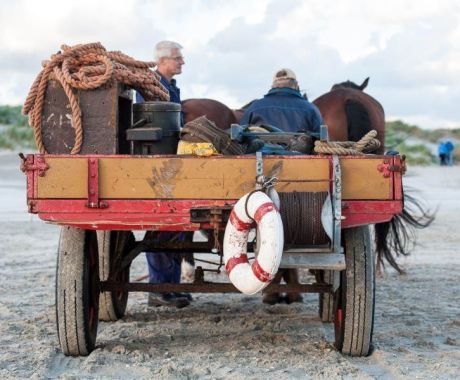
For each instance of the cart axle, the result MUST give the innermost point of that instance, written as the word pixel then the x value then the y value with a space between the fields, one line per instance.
pixel 210 287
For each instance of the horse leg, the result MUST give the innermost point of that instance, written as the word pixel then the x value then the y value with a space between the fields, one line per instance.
pixel 291 276
pixel 187 275
pixel 273 298
pixel 188 263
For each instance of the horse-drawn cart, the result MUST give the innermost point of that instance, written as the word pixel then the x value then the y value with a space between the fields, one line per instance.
pixel 100 199
pixel 112 169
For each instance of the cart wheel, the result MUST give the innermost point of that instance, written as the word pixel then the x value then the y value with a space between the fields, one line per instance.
pixel 112 305
pixel 326 300
pixel 77 291
pixel 354 300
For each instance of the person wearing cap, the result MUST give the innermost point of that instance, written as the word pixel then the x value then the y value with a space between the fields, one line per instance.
pixel 284 107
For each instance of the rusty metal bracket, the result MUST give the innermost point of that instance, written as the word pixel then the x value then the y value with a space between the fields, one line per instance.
pixel 39 165
pixel 93 185
pixel 386 168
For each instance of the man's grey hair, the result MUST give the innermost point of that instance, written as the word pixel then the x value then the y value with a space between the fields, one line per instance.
pixel 164 49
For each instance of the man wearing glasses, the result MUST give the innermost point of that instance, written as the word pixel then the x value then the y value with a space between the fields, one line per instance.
pixel 169 59
pixel 166 267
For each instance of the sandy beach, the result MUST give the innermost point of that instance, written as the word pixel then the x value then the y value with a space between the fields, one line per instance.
pixel 417 320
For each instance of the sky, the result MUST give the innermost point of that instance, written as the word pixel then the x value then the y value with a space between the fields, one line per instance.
pixel 410 49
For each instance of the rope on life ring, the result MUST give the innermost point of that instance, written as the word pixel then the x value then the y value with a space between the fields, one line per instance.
pixel 254 209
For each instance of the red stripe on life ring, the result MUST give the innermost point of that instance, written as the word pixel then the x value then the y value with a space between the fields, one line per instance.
pixel 260 273
pixel 262 210
pixel 238 223
pixel 234 261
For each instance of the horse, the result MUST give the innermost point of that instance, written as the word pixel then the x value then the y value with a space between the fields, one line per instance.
pixel 214 110
pixel 349 114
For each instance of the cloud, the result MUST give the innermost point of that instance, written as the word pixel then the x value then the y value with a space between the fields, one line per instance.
pixel 410 49
pixel 244 56
pixel 417 73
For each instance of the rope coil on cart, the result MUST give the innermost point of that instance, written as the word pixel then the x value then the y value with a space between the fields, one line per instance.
pixel 367 144
pixel 86 67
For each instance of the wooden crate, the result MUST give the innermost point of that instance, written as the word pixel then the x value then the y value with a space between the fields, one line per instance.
pixel 106 114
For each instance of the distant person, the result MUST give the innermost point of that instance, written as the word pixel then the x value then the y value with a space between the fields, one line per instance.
pixel 449 145
pixel 284 107
pixel 442 153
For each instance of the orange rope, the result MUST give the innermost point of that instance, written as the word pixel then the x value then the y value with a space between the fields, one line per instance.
pixel 86 67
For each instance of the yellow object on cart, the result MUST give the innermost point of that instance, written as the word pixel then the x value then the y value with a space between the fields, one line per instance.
pixel 196 148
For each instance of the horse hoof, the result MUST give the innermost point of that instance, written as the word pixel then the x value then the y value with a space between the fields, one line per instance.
pixel 293 297
pixel 271 298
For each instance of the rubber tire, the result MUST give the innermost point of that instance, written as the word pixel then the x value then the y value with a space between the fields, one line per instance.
pixel 77 291
pixel 326 300
pixel 355 299
pixel 112 305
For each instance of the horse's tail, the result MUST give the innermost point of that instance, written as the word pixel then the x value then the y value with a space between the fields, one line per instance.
pixel 396 237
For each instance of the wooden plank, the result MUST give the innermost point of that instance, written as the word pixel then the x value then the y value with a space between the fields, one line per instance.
pixel 202 178
pixel 65 178
pixel 206 178
pixel 362 180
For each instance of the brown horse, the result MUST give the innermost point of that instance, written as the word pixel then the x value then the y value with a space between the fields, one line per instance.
pixel 215 111
pixel 349 113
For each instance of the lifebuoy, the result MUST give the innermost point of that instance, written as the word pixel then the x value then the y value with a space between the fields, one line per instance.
pixel 255 209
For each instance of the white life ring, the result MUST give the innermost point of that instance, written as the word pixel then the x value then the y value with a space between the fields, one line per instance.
pixel 255 209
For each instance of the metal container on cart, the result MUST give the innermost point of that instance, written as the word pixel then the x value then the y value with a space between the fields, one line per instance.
pixel 156 128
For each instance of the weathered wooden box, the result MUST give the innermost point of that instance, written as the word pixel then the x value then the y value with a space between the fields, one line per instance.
pixel 106 114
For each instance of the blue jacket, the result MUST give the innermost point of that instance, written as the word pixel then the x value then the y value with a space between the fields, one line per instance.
pixel 174 91
pixel 286 109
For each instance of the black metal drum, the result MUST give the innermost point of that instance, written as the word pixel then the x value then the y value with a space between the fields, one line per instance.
pixel 156 128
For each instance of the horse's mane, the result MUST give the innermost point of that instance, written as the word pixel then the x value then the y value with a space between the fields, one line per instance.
pixel 350 84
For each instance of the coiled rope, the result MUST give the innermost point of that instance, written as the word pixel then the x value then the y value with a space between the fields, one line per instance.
pixel 86 67
pixel 367 144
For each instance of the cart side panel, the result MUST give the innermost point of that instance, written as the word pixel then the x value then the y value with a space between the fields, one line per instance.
pixel 207 178
pixel 161 192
